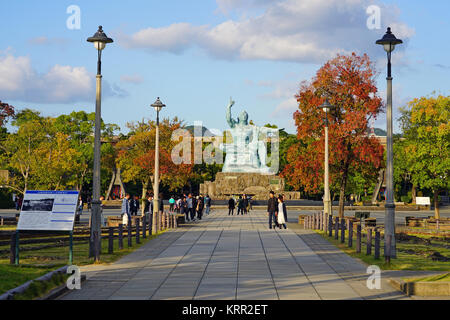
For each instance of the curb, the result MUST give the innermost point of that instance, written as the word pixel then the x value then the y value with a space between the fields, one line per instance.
pixel 422 288
pixel 59 291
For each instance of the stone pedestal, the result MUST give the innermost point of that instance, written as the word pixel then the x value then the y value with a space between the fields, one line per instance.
pixel 254 184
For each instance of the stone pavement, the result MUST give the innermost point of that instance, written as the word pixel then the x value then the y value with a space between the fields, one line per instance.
pixel 233 257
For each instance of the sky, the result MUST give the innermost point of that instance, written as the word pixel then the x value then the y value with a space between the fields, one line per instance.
pixel 197 54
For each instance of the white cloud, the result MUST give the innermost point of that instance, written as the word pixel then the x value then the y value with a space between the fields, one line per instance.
pixel 226 6
pixel 61 84
pixel 286 108
pixel 310 31
pixel 132 78
pixel 42 41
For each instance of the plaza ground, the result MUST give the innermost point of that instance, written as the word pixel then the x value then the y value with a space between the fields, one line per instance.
pixel 235 257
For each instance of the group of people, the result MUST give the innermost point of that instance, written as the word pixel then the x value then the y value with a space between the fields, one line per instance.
pixel 192 207
pixel 243 205
pixel 276 210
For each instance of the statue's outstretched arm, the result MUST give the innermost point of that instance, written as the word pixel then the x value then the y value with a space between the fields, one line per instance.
pixel 231 121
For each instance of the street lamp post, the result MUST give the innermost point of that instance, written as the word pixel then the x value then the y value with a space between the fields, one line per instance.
pixel 389 41
pixel 158 105
pixel 327 208
pixel 99 40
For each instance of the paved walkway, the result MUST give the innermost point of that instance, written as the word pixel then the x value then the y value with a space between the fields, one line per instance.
pixel 233 257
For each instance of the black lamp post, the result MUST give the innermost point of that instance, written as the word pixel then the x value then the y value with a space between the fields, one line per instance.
pixel 100 40
pixel 327 208
pixel 389 41
pixel 157 105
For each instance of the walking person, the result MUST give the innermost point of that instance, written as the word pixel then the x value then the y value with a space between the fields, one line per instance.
pixel 231 206
pixel 245 198
pixel 190 207
pixel 133 209
pixel 282 212
pixel 184 208
pixel 207 204
pixel 79 209
pixel 199 208
pixel 272 208
pixel 178 205
pixel 171 204
pixel 240 206
pixel 161 203
pixel 148 208
pixel 126 215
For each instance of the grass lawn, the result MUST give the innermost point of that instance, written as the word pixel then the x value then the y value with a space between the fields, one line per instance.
pixel 410 255
pixel 438 278
pixel 8 228
pixel 34 264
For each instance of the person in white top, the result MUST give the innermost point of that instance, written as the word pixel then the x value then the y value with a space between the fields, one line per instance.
pixel 282 212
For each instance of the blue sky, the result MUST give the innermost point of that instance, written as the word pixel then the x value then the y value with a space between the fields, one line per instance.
pixel 196 54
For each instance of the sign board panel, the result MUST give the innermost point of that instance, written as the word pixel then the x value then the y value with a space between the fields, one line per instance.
pixel 423 201
pixel 48 210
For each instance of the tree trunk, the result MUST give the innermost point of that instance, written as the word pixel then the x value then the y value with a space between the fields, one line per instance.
pixel 342 191
pixel 414 193
pixel 341 199
pixel 437 215
pixel 144 195
pixel 111 184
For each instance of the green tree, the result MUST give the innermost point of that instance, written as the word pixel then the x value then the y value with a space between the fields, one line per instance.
pixel 425 125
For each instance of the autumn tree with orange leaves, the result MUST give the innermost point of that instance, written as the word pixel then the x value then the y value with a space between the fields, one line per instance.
pixel 348 81
pixel 136 155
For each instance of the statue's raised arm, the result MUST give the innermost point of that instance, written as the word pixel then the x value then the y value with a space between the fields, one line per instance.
pixel 230 120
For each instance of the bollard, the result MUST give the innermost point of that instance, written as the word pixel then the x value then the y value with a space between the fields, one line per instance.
pixel 144 226
pixel 175 222
pixel 369 242
pixel 377 244
pixel 129 234
pixel 358 238
pixel 120 236
pixel 12 251
pixel 336 229
pixel 350 233
pixel 111 240
pixel 330 225
pixel 342 230
pixel 138 231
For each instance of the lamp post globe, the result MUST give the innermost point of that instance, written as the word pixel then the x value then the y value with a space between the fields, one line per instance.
pixel 157 105
pixel 99 40
pixel 389 41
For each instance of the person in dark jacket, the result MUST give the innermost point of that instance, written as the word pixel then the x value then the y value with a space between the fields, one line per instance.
pixel 245 199
pixel 241 206
pixel 161 203
pixel 200 206
pixel 184 208
pixel 207 204
pixel 134 205
pixel 272 208
pixel 149 205
pixel 231 206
